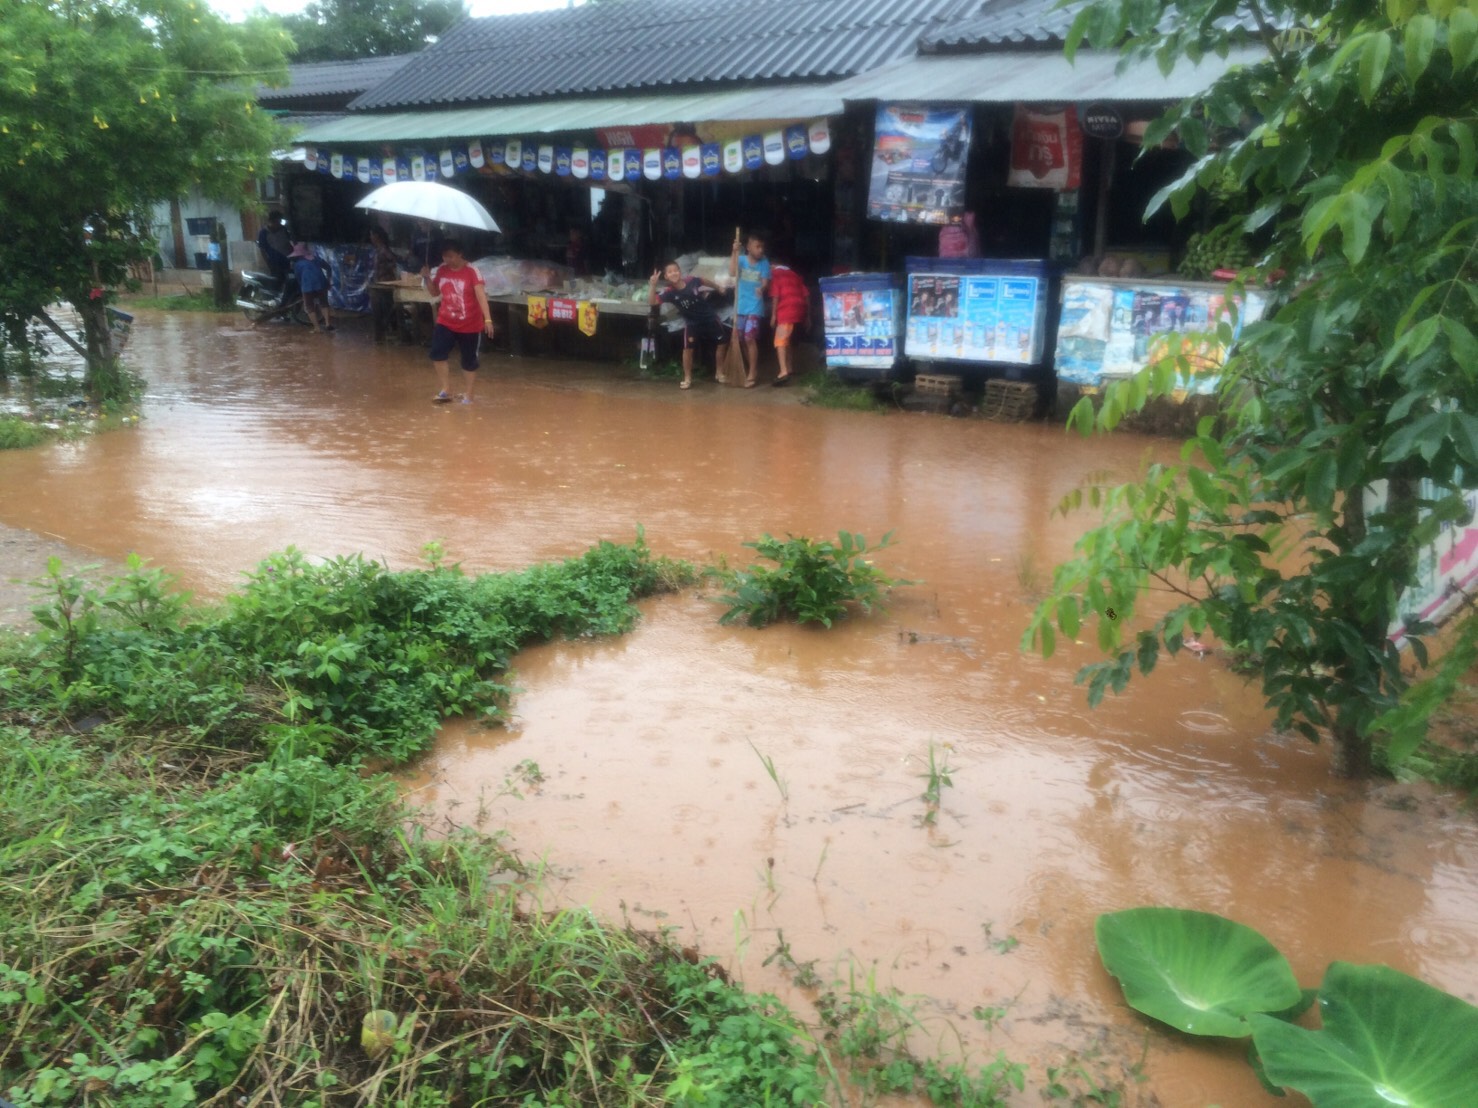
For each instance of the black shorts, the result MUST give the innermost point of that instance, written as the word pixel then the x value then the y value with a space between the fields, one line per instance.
pixel 444 340
pixel 705 340
pixel 317 298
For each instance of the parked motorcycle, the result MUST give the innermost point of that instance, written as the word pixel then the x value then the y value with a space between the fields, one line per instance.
pixel 264 296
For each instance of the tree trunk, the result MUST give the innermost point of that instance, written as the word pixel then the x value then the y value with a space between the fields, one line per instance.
pixel 1352 752
pixel 102 380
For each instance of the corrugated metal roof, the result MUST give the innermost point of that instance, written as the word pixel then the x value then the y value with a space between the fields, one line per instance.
pixel 599 48
pixel 780 103
pixel 330 78
pixel 1036 75
pixel 1018 23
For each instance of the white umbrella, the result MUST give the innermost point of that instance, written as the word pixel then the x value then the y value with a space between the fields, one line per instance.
pixel 429 200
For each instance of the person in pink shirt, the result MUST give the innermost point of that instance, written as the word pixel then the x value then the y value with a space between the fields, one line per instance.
pixel 462 318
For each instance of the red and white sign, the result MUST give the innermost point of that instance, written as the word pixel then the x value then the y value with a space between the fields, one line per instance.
pixel 1046 149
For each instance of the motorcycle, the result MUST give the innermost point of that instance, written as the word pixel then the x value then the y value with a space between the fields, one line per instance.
pixel 264 296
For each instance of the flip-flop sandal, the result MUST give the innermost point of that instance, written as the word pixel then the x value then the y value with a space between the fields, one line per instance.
pixel 750 384
pixel 780 382
pixel 685 384
pixel 441 398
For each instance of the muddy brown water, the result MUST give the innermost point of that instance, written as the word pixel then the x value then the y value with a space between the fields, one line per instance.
pixel 657 803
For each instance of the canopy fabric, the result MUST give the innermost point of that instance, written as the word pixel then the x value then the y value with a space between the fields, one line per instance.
pixel 429 200
pixel 792 103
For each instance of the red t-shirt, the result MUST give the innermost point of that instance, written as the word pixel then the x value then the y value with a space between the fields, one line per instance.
pixel 792 298
pixel 459 311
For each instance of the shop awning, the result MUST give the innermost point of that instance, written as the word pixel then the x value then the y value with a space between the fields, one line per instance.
pixel 784 102
pixel 1036 76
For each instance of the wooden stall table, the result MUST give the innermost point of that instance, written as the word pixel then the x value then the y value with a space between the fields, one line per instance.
pixel 415 306
pixel 619 325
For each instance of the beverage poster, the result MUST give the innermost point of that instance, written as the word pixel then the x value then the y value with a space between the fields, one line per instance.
pixel 972 318
pixel 918 163
pixel 1109 331
pixel 861 326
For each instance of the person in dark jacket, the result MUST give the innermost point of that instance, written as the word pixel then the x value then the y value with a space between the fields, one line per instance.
pixel 691 296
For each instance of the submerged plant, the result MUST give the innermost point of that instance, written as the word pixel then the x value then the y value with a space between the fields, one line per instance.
pixel 812 581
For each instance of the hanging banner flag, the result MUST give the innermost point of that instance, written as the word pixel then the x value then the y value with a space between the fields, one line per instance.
pixel 1046 149
pixel 336 165
pixel 310 159
pixel 616 165
pixel 580 163
pixel 387 171
pixel 651 164
pixel 323 162
pixel 692 158
pixel 418 167
pixel 795 141
pixel 461 159
pixel 377 174
pixel 819 136
pixel 362 170
pixel 546 159
pixel 733 156
pixel 754 151
pixel 774 147
pixel 598 165
pixel 495 153
pixel 446 162
pixel 918 163
pixel 712 159
pixel 562 159
pixel 402 169
pixel 589 316
pixel 512 153
pixel 538 311
pixel 530 160
pixel 475 155
pixel 672 163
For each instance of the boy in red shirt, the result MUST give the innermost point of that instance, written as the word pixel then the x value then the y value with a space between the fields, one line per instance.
pixel 791 304
pixel 461 320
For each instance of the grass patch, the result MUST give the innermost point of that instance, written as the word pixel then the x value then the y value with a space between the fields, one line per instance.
pixel 17 433
pixel 205 896
pixel 812 581
pixel 203 301
pixel 826 390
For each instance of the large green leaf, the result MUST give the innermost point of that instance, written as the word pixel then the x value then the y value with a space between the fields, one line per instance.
pixel 1198 972
pixel 1388 1039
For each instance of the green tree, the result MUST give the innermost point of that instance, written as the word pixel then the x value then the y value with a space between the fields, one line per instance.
pixel 106 108
pixel 1348 429
pixel 342 30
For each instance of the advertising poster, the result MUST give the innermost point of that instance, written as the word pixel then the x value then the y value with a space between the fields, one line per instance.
pixel 1110 330
pixel 972 318
pixel 861 326
pixel 1446 568
pixel 1046 149
pixel 918 163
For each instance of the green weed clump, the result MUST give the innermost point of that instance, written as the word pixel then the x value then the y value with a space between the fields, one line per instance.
pixel 206 897
pixel 20 434
pixel 812 581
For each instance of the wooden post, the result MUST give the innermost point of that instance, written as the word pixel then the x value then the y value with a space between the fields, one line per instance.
pixel 220 273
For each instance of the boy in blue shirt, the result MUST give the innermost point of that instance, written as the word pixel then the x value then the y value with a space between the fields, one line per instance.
pixel 313 284
pixel 751 274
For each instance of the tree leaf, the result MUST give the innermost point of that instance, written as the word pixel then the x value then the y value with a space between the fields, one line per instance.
pixel 1196 971
pixel 1462 37
pixel 1386 1039
pixel 1418 37
pixel 1373 61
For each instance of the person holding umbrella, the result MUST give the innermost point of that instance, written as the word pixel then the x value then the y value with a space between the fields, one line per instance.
pixel 462 318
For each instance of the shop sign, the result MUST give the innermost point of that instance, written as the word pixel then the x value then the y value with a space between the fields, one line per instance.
pixel 562 160
pixel 796 144
pixel 754 151
pixel 672 163
pixel 563 310
pixel 819 136
pixel 1046 149
pixel 774 147
pixel 1101 121
pixel 918 163
pixel 711 159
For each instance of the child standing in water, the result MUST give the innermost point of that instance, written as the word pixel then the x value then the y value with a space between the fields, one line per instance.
pixel 462 318
pixel 751 273
pixel 791 307
pixel 704 330
pixel 313 284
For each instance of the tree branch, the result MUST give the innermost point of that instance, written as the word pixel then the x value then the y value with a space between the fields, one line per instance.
pixel 66 338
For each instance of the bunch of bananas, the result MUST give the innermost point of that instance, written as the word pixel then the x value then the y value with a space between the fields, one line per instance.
pixel 1222 247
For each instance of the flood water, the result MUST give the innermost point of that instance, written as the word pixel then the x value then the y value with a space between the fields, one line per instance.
pixel 738 786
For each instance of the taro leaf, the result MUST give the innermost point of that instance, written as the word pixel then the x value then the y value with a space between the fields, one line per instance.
pixel 1388 1039
pixel 1198 972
